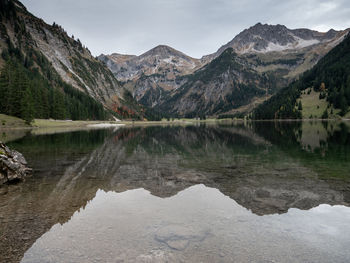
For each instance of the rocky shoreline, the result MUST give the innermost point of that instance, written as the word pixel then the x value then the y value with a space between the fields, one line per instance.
pixel 13 166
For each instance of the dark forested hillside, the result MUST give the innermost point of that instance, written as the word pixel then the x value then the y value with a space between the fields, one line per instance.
pixel 26 94
pixel 330 77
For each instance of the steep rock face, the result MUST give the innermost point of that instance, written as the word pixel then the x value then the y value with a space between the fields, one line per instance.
pixel 162 60
pixel 154 89
pixel 153 73
pixel 74 63
pixel 226 83
pixel 119 64
pixel 67 58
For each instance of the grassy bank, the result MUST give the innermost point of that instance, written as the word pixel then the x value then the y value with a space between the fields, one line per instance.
pixel 313 107
pixel 10 123
pixel 15 128
pixel 50 123
pixel 7 121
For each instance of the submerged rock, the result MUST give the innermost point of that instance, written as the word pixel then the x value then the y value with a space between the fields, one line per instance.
pixel 178 237
pixel 13 166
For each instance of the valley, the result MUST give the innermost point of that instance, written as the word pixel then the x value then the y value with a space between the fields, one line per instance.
pixel 62 80
pixel 117 147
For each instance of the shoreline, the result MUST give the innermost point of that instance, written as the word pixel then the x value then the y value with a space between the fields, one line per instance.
pixel 44 127
pixel 17 130
pixel 40 123
pixel 69 124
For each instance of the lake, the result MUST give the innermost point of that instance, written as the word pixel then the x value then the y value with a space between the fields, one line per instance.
pixel 234 192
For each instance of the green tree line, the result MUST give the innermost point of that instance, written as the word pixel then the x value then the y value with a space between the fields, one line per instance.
pixel 26 94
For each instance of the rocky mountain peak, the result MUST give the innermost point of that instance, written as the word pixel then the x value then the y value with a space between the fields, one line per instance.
pixel 331 33
pixel 259 27
pixel 262 38
pixel 161 59
pixel 162 49
pixel 164 52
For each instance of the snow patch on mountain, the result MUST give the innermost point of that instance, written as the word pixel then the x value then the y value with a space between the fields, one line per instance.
pixel 306 43
pixel 275 47
pixel 300 43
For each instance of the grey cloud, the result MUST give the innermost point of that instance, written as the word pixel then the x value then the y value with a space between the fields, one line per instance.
pixel 195 27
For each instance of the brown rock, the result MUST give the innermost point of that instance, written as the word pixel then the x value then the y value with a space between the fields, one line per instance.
pixel 13 165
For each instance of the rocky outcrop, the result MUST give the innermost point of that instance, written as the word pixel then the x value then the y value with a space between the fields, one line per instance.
pixel 13 166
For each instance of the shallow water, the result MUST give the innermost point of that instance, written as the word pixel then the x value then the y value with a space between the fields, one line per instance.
pixel 254 192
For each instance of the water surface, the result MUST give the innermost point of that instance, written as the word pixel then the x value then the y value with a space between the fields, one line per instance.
pixel 254 192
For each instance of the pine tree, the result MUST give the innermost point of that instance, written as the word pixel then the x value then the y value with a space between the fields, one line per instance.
pixel 17 85
pixel 4 88
pixel 300 106
pixel 343 103
pixel 325 114
pixel 44 101
pixel 27 106
pixel 58 109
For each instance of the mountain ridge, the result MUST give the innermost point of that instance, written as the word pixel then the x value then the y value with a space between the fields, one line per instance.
pixel 301 33
pixel 254 65
pixel 158 60
pixel 271 51
pixel 269 38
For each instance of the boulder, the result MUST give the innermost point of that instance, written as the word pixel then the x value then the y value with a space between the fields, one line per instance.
pixel 13 166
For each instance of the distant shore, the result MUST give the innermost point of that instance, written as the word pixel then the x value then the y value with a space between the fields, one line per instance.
pixel 12 128
pixel 40 123
pixel 9 122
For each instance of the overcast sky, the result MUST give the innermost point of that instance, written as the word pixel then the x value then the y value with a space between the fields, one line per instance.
pixel 195 27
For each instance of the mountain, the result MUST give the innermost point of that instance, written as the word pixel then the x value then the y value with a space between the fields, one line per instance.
pixel 226 83
pixel 286 52
pixel 267 38
pixel 154 72
pixel 159 60
pixel 234 82
pixel 55 67
pixel 273 55
pixel 329 79
pixel 47 74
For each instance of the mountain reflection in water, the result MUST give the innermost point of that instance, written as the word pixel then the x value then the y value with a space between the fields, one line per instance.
pixel 199 224
pixel 267 168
